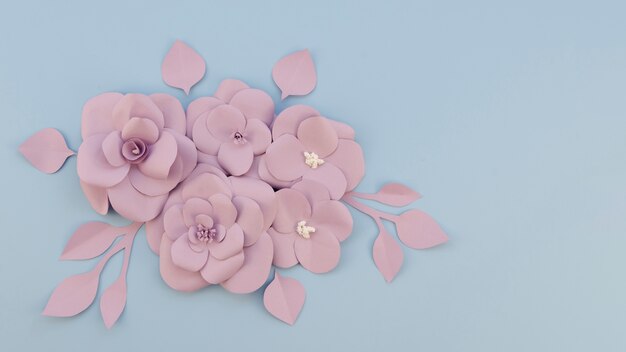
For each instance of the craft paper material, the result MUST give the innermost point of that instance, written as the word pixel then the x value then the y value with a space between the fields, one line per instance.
pixel 229 189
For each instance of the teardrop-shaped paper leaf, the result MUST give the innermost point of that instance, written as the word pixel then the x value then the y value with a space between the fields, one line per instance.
pixel 90 240
pixel 295 74
pixel 284 298
pixel 419 230
pixel 388 255
pixel 46 150
pixel 182 67
pixel 73 295
pixel 113 301
pixel 394 194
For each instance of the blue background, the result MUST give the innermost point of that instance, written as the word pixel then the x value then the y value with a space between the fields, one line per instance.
pixel 510 118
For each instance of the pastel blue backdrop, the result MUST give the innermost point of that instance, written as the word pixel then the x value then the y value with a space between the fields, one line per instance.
pixel 510 118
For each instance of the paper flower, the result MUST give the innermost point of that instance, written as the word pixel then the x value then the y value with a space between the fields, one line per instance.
pixel 232 126
pixel 312 147
pixel 309 227
pixel 214 232
pixel 134 152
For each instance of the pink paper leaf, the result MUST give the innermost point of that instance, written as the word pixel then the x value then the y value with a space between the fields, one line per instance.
pixel 388 255
pixel 90 240
pixel 394 194
pixel 73 295
pixel 419 230
pixel 182 67
pixel 113 301
pixel 46 150
pixel 284 298
pixel 295 74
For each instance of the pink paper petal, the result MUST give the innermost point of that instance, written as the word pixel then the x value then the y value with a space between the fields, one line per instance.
pixel 97 113
pixel 204 140
pixel 256 267
pixel 113 301
pixel 198 107
pixel 344 131
pixel 236 159
pixel 173 224
pixel 161 157
pixel 185 257
pixel 348 157
pixel 217 271
pixel 93 167
pixel 284 253
pixel 318 136
pixel 134 205
pixel 187 152
pixel 333 216
pixel 136 105
pixel 90 240
pixel 284 298
pixel 223 121
pixel 224 212
pixel 250 218
pixel 204 186
pixel 46 150
pixel 419 230
pixel 73 295
pixel 320 253
pixel 154 231
pixel 182 67
pixel 313 191
pixel 266 175
pixel 231 245
pixel 173 112
pixel 151 186
pixel 97 197
pixel 112 149
pixel 191 209
pixel 292 208
pixel 288 120
pixel 285 158
pixel 254 104
pixel 295 74
pixel 175 277
pixel 228 88
pixel 258 135
pixel 260 192
pixel 142 128
pixel 388 255
pixel 331 177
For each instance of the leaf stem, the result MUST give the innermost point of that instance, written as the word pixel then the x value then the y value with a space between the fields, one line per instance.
pixel 375 214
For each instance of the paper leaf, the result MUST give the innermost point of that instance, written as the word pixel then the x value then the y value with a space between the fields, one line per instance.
pixel 284 298
pixel 419 230
pixel 182 67
pixel 90 240
pixel 46 150
pixel 113 301
pixel 73 295
pixel 394 194
pixel 295 74
pixel 388 255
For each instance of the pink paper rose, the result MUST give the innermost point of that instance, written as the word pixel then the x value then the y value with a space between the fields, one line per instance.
pixel 309 227
pixel 308 146
pixel 214 231
pixel 231 128
pixel 134 152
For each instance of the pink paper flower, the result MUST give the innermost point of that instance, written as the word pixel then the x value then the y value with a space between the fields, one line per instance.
pixel 134 152
pixel 214 232
pixel 308 146
pixel 231 127
pixel 309 227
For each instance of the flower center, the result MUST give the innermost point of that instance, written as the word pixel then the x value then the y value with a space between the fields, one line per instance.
pixel 313 160
pixel 238 138
pixel 205 234
pixel 134 150
pixel 304 230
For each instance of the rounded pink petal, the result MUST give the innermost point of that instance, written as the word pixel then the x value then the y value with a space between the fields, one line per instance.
pixel 284 253
pixel 224 212
pixel 136 105
pixel 254 104
pixel 320 253
pixel 250 218
pixel 204 158
pixel 175 277
pixel 266 175
pixel 223 121
pixel 142 128
pixel 134 205
pixel 256 267
pixel 260 192
pixel 93 167
pixel 173 112
pixel 331 177
pixel 194 207
pixel 187 152
pixel 185 257
pixel 258 135
pixel 292 208
pixel 318 136
pixel 204 186
pixel 203 139
pixel 161 157
pixel 97 114
pixel 343 130
pixel 333 216
pixel 288 120
pixel 235 158
pixel 97 197
pixel 285 158
pixel 313 191
pixel 112 149
pixel 216 271
pixel 228 88
pixel 197 108
pixel 348 157
pixel 153 186
pixel 155 228
pixel 230 245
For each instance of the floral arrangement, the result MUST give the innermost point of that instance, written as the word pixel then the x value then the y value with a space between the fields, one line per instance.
pixel 227 189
